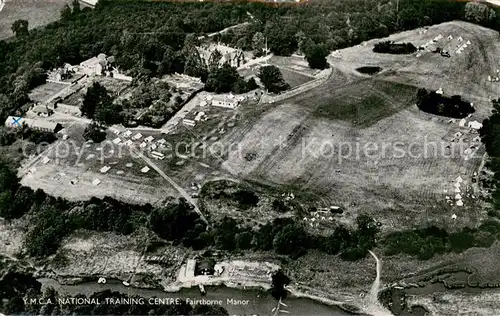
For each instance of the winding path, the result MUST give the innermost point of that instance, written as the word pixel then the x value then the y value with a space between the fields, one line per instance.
pixel 373 307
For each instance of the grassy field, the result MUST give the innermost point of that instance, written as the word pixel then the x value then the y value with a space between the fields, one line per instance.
pixel 44 92
pixel 294 78
pixel 366 102
pixel 36 12
pixel 74 164
pixel 316 140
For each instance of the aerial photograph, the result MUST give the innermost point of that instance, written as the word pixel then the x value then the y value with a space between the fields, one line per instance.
pixel 250 157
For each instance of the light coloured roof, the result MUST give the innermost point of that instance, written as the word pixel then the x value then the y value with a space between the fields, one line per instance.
pixel 16 121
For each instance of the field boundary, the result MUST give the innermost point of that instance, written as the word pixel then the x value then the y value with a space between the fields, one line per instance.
pixel 298 89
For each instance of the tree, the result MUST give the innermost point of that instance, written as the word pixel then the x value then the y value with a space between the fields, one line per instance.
pixel 243 240
pixel 213 61
pixel 94 132
pixel 479 12
pixel 65 12
pixel 222 80
pixel 316 56
pixel 301 41
pixel 291 240
pixel 258 43
pixel 109 113
pixel 278 283
pixel 281 39
pixel 272 79
pixel 76 6
pixel 96 97
pixel 195 66
pixel 20 28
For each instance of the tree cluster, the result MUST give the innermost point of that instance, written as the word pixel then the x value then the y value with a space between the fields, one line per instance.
pixel 435 103
pixel 98 105
pixel 272 79
pixel 389 47
pixel 94 132
pixel 123 29
pixel 490 136
pixel 425 243
pixel 226 79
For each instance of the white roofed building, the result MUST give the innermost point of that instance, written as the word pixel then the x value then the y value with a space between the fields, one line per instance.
pixel 36 124
pixel 225 101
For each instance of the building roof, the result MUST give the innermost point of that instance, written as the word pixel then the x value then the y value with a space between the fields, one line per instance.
pixel 224 98
pixel 93 62
pixel 15 121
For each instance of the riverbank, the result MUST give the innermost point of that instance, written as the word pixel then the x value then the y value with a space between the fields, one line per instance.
pixel 235 301
pixel 72 285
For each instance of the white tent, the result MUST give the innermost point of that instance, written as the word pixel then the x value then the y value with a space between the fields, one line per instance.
pixel 145 169
pixel 460 203
pixel 104 169
pixel 458 196
pixel 462 123
pixel 454 216
pixel 459 179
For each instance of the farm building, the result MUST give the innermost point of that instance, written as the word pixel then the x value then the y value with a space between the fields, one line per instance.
pixel 39 125
pixel 225 101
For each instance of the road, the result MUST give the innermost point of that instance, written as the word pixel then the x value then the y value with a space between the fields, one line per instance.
pixel 373 307
pixel 224 30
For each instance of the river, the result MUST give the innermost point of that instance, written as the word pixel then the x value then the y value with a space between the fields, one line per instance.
pixel 259 302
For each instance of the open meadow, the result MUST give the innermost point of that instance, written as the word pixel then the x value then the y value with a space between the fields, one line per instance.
pixel 361 143
pixel 36 12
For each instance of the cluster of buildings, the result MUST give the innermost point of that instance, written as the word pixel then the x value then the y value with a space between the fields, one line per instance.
pixel 234 56
pixel 225 101
pixel 100 65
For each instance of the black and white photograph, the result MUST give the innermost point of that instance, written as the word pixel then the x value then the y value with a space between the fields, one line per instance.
pixel 250 157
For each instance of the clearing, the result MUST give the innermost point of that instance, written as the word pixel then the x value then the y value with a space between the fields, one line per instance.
pixel 316 140
pixel 36 12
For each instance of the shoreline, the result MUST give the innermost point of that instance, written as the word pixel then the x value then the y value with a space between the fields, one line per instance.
pixel 243 285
